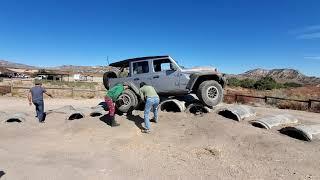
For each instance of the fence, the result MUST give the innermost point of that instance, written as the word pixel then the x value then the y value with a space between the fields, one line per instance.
pixel 72 91
pixel 236 98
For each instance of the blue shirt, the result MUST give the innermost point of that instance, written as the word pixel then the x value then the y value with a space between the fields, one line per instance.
pixel 37 93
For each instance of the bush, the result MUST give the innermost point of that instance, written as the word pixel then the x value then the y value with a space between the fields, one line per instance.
pixel 267 83
pixel 247 83
pixel 291 84
pixel 234 82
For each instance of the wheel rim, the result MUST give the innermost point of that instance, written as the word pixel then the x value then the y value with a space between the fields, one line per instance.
pixel 126 99
pixel 212 92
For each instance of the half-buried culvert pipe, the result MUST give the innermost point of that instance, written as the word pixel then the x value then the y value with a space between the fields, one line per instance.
pixel 75 115
pixel 302 132
pixel 15 118
pixel 97 111
pixel 197 109
pixel 236 112
pixel 172 105
pixel 268 122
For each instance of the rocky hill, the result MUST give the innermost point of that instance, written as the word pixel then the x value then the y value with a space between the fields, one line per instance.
pixel 9 64
pixel 281 75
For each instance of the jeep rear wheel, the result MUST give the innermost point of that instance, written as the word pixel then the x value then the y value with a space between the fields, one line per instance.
pixel 130 101
pixel 210 93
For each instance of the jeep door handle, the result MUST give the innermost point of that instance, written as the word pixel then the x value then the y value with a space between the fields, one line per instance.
pixel 136 79
pixel 155 77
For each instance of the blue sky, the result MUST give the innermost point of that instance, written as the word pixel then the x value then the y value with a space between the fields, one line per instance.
pixel 233 35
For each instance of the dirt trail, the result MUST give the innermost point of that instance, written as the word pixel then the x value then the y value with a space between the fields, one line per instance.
pixel 181 146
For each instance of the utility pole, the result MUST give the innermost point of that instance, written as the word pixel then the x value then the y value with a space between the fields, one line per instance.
pixel 108 60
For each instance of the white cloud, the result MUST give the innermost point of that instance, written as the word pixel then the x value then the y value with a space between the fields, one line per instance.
pixel 307 29
pixel 312 57
pixel 309 36
pixel 308 32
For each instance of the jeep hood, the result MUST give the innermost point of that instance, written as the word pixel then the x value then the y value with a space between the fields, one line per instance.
pixel 200 69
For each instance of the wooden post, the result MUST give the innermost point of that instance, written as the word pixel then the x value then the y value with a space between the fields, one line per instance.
pixel 72 93
pixel 266 99
pixel 236 98
pixel 309 104
pixel 11 89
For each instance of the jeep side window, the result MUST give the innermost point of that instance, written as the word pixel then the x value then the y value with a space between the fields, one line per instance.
pixel 163 65
pixel 140 67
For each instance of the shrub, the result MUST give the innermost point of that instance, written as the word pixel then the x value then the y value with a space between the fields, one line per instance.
pixel 292 84
pixel 234 82
pixel 247 83
pixel 266 83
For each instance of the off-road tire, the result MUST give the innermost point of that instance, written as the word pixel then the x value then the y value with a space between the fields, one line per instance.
pixel 210 93
pixel 130 101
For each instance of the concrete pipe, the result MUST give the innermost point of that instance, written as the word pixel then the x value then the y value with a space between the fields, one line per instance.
pixel 16 117
pixel 276 120
pixel 172 105
pixel 236 112
pixel 2 115
pixel 73 115
pixel 197 109
pixel 302 132
pixel 97 111
pixel 62 110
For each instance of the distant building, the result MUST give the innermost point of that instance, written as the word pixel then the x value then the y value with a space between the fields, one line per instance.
pixel 82 77
pixel 52 75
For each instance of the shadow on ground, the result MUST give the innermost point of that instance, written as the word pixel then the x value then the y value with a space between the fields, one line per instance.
pixel 137 120
pixel 106 119
pixel 2 173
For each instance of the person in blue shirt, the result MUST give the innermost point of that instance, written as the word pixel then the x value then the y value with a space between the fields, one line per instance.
pixel 35 97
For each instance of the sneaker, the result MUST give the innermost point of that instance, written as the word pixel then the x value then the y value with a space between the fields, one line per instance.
pixel 147 131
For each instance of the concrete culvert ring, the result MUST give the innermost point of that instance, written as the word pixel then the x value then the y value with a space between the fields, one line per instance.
pixel 197 109
pixel 259 125
pixel 230 115
pixel 95 114
pixel 74 116
pixel 268 122
pixel 13 120
pixel 237 112
pixel 172 106
pixel 295 133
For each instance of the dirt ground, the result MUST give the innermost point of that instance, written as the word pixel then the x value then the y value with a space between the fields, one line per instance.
pixel 180 146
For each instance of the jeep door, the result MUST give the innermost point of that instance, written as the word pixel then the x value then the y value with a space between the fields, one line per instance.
pixel 140 72
pixel 165 77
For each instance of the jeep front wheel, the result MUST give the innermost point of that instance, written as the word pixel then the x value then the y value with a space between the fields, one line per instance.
pixel 210 93
pixel 130 101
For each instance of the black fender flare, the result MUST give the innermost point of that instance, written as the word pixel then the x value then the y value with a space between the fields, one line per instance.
pixel 133 87
pixel 194 78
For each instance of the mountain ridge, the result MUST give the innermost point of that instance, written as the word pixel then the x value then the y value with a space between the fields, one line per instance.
pixel 279 74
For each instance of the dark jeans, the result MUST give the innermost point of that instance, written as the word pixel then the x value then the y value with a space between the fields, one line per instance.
pixel 39 109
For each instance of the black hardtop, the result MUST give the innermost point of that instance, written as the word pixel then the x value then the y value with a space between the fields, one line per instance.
pixel 126 62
